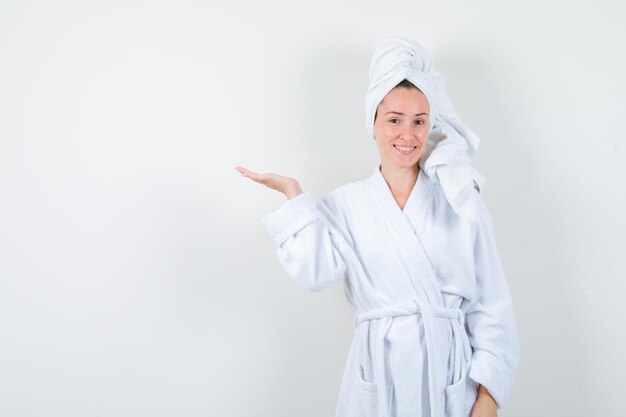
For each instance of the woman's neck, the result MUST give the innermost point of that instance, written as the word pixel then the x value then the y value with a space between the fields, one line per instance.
pixel 400 180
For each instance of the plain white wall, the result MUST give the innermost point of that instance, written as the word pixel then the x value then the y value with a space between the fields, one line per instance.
pixel 135 276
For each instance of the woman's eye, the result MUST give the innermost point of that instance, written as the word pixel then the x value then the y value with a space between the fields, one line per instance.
pixel 419 122
pixel 394 120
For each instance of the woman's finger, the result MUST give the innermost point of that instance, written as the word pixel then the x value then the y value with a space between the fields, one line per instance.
pixel 269 179
pixel 255 176
pixel 243 171
pixel 247 173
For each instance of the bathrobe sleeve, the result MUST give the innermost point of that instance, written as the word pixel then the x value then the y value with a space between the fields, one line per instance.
pixel 490 316
pixel 308 240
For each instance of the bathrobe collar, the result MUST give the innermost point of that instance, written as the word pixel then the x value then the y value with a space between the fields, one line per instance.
pixel 415 204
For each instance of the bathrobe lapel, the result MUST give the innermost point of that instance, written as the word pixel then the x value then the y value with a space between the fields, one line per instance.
pixel 402 225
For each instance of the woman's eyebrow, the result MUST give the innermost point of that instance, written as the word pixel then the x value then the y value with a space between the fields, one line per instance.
pixel 402 114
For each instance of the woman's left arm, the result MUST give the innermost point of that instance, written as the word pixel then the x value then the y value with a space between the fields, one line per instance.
pixel 491 322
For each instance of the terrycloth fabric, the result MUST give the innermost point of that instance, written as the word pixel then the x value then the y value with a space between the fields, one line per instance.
pixel 434 314
pixel 451 144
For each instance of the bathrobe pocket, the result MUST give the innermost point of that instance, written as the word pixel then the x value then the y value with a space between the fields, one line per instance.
pixel 460 397
pixel 368 392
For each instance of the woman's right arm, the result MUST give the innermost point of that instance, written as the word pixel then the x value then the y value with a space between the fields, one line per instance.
pixel 309 241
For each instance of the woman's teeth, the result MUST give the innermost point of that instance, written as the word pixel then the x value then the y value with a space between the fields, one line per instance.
pixel 405 149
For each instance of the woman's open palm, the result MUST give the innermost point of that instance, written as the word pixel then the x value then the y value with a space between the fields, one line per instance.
pixel 286 185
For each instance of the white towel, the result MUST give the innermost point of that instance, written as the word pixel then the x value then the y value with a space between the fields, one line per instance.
pixel 451 144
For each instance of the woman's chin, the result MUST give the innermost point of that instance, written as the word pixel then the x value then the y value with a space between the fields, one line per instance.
pixel 403 162
pixel 400 161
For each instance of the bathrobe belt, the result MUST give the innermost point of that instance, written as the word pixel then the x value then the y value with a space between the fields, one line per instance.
pixel 383 317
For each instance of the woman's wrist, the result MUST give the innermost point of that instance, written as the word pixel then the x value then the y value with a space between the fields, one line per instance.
pixel 482 391
pixel 293 190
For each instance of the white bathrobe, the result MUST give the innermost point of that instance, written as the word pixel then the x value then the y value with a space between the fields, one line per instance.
pixel 434 313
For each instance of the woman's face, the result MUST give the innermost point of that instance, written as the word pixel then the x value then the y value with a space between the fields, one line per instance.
pixel 401 127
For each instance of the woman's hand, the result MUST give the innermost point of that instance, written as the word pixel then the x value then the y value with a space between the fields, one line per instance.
pixel 485 405
pixel 288 186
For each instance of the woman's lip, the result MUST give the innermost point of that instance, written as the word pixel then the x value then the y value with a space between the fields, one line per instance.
pixel 405 152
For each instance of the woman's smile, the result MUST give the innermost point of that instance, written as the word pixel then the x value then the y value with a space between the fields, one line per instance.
pixel 404 149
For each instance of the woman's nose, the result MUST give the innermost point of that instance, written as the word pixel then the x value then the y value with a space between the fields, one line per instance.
pixel 409 131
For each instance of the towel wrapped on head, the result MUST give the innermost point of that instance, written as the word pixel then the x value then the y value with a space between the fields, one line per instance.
pixel 451 144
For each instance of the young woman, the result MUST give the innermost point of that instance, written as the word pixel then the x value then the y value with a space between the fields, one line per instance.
pixel 414 246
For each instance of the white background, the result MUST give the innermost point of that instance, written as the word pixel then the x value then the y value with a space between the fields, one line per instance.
pixel 135 276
